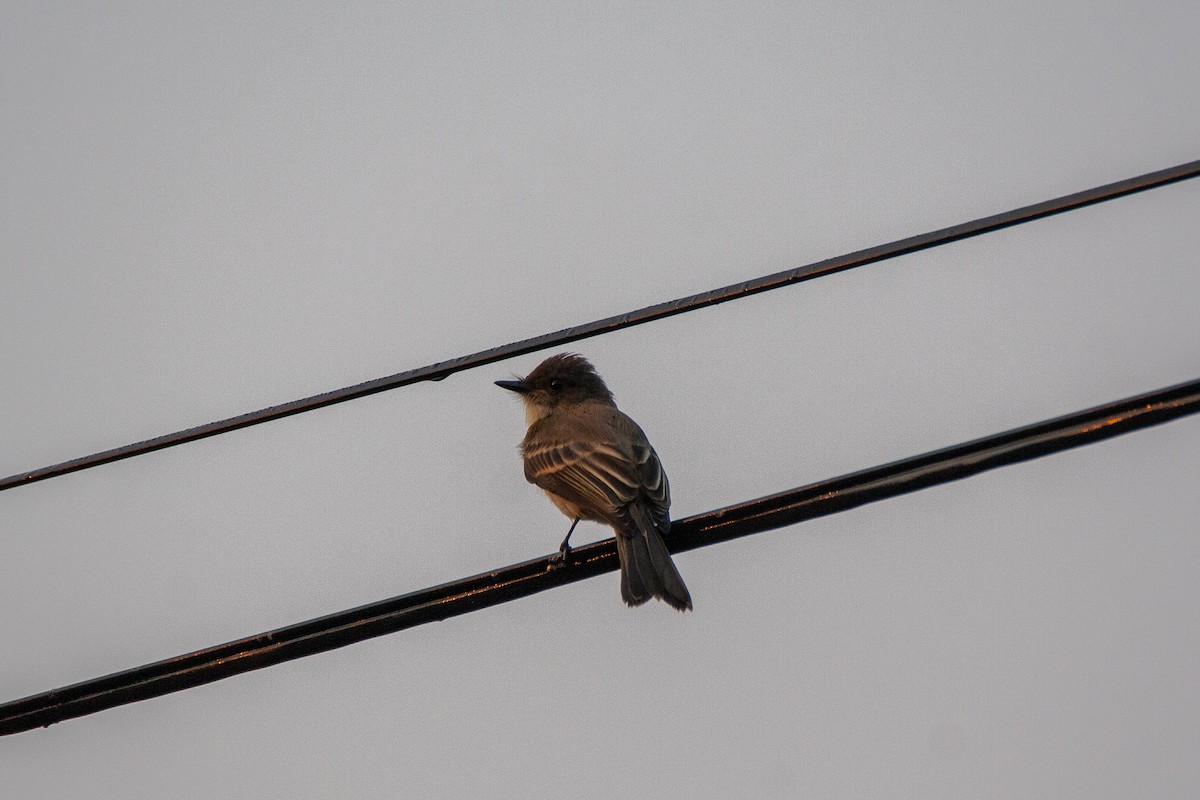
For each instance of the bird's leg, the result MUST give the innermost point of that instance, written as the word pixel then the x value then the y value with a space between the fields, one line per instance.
pixel 564 549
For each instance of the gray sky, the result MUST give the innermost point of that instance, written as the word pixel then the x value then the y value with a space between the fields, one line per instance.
pixel 212 208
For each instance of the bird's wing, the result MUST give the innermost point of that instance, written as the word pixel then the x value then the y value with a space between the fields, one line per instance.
pixel 655 488
pixel 595 475
pixel 602 473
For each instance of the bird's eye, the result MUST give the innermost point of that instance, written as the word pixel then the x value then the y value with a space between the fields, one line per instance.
pixel 557 385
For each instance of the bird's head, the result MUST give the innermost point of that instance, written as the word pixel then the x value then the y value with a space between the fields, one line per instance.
pixel 560 379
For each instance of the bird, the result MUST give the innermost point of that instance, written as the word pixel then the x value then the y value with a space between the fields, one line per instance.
pixel 595 463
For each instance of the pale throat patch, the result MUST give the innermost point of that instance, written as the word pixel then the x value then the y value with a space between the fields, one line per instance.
pixel 533 411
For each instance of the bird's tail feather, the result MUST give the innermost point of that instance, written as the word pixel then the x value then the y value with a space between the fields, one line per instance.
pixel 646 567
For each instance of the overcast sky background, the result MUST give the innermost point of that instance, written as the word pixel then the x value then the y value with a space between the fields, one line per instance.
pixel 211 208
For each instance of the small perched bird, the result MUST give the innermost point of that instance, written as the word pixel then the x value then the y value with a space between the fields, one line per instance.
pixel 595 463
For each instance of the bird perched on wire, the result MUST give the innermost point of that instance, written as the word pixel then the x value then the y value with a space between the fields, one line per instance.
pixel 595 463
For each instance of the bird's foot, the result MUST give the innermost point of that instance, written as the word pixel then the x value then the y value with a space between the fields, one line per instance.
pixel 562 557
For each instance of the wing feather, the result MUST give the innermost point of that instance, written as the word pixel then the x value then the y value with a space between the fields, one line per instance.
pixel 593 475
pixel 602 477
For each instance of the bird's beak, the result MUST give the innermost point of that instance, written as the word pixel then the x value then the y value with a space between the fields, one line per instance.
pixel 513 386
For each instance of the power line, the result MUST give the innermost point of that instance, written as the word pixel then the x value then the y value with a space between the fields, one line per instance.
pixel 520 580
pixel 440 370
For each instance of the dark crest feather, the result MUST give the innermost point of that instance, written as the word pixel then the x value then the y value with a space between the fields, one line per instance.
pixel 573 371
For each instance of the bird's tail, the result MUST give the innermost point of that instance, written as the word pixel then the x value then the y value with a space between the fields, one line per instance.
pixel 646 567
